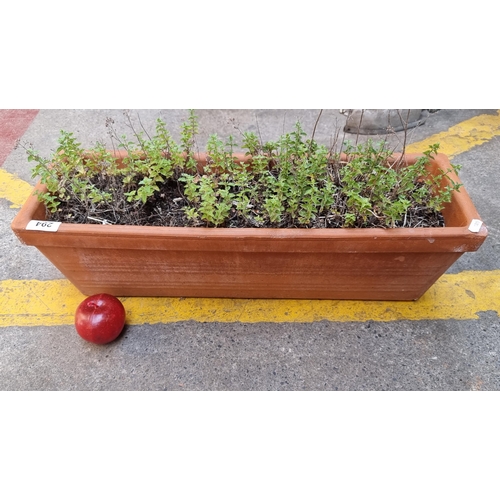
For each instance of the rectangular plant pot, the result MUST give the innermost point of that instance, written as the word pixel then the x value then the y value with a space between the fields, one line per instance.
pixel 363 264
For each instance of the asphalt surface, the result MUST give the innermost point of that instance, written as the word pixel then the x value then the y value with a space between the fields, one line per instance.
pixel 422 355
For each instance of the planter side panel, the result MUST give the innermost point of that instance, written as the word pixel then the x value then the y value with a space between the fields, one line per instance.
pixel 389 276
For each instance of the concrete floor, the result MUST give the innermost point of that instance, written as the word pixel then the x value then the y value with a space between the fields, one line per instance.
pixel 441 355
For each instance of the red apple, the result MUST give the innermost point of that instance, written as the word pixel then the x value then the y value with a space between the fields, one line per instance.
pixel 100 318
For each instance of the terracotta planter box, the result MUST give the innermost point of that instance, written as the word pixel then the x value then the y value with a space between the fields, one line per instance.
pixel 366 264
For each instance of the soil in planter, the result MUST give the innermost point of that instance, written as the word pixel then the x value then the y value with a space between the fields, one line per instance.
pixel 167 208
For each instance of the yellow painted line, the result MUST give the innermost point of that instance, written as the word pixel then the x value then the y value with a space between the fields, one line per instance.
pixel 14 189
pixel 454 296
pixel 461 137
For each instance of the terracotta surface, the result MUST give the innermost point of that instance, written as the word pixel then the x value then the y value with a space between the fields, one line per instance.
pixel 371 264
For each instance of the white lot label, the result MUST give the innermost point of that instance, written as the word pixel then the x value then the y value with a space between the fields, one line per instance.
pixel 475 225
pixel 43 225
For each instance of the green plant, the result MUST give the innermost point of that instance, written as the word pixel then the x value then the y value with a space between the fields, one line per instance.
pixel 72 175
pixel 290 182
pixel 380 190
pixel 150 160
